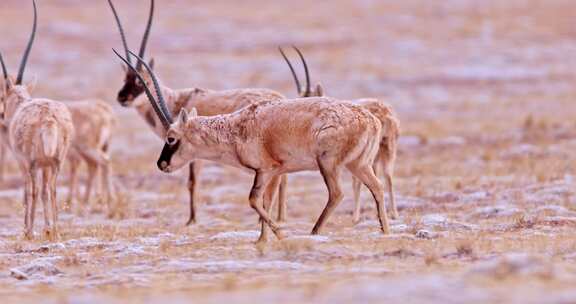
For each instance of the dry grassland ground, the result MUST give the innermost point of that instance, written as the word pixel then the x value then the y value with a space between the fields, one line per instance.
pixel 486 94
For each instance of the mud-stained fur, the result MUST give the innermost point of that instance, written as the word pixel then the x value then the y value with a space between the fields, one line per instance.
pixel 280 137
pixel 94 121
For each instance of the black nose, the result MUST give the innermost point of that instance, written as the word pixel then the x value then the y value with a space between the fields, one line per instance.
pixel 162 165
pixel 123 100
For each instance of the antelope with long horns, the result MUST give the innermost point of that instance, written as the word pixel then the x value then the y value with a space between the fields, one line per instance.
pixel 40 133
pixel 206 102
pixel 272 139
pixel 93 121
pixel 390 132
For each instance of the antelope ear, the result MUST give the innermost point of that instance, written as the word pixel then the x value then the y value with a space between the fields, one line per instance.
pixel 124 68
pixel 151 63
pixel 183 116
pixel 319 91
pixel 30 86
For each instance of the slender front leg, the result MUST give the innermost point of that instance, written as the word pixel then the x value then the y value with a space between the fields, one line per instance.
pixel 194 171
pixel 110 197
pixel 260 182
pixel 331 174
pixel 92 170
pixel 269 199
pixel 73 182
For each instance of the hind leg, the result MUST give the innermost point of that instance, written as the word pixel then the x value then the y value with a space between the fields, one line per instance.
pixel 366 174
pixel 388 177
pixel 53 199
pixel 28 185
pixel 357 208
pixel 92 170
pixel 50 209
pixel 74 163
pixel 282 208
pixel 331 173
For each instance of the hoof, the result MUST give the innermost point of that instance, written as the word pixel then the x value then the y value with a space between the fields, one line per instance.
pixel 261 241
pixel 191 221
pixel 51 234
pixel 385 230
pixel 279 234
pixel 29 236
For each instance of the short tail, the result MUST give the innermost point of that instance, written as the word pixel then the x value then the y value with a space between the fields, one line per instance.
pixel 49 137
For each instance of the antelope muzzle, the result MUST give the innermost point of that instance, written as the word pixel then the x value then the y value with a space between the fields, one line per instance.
pixel 165 159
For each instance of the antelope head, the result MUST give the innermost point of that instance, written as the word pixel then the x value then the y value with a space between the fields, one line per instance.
pixel 176 152
pixel 132 87
pixel 307 90
pixel 14 92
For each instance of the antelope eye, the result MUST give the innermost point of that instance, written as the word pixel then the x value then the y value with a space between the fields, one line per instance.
pixel 171 140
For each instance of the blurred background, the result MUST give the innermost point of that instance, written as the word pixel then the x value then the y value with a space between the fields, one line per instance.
pixel 485 92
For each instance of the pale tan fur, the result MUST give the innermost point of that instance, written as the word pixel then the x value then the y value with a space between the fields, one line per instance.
pixel 285 136
pixel 207 103
pixel 40 133
pixel 386 157
pixel 94 121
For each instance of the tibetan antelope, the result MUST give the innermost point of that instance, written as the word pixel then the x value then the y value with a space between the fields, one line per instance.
pixel 40 132
pixel 94 121
pixel 272 139
pixel 390 132
pixel 206 102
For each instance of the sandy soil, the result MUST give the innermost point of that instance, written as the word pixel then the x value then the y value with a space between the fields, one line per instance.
pixel 485 180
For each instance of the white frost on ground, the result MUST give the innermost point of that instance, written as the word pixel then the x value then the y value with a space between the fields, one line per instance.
pixel 39 269
pixel 237 235
pixel 189 265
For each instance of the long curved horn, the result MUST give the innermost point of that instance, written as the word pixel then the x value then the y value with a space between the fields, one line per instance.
pixel 145 38
pixel 4 70
pixel 308 85
pixel 28 48
pixel 121 29
pixel 161 100
pixel 296 80
pixel 163 119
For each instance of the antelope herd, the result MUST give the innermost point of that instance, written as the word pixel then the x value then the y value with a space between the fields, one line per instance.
pixel 255 129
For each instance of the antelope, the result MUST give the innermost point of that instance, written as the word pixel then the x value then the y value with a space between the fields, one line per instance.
pixel 40 132
pixel 206 102
pixel 94 121
pixel 272 139
pixel 390 131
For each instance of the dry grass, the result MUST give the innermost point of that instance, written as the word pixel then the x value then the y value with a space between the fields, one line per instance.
pixel 485 93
